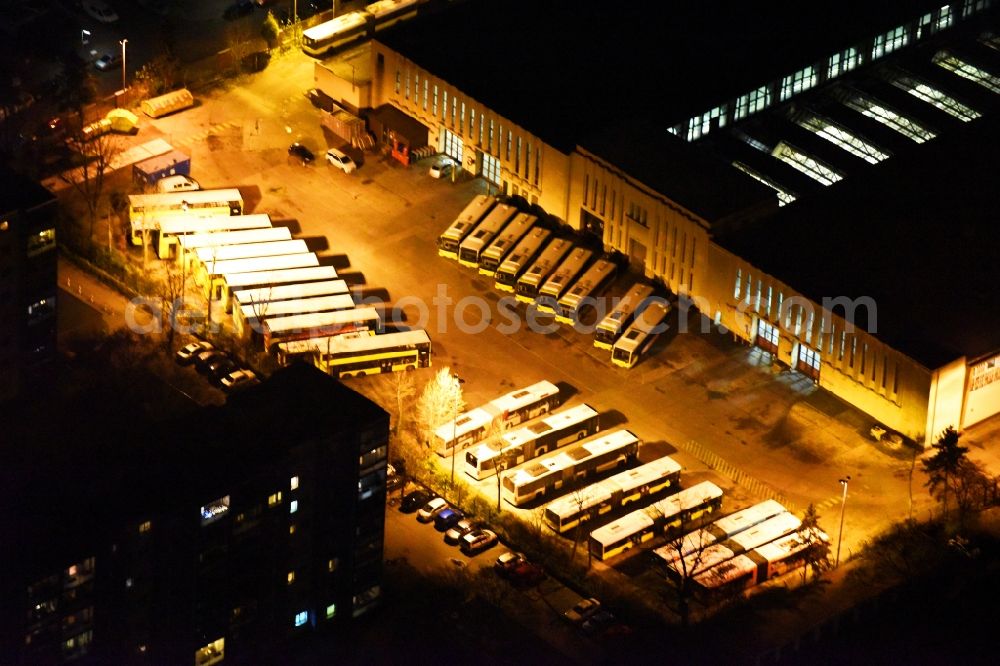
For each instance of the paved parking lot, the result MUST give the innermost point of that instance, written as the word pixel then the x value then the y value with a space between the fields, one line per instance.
pixel 716 406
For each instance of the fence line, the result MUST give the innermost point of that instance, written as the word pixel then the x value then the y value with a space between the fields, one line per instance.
pixel 754 485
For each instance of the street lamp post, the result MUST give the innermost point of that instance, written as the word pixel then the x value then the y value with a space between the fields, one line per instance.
pixel 123 42
pixel 843 504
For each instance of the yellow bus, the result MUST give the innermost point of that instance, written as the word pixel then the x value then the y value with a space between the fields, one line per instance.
pixel 358 355
pixel 150 211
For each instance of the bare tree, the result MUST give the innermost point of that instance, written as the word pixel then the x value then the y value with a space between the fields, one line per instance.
pixel 96 156
pixel 404 390
pixel 687 554
pixel 171 293
pixel 579 499
pixel 239 38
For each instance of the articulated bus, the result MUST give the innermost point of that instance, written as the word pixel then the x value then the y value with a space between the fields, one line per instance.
pixel 320 39
pixel 562 277
pixel 501 246
pixel 358 355
pixel 580 461
pixel 474 212
pixel 609 328
pixel 532 440
pixel 612 493
pixel 665 516
pixel 520 258
pixel 212 276
pixel 529 283
pixel 319 324
pixel 720 530
pixel 386 13
pixel 641 335
pixel 251 317
pixel 470 249
pixel 218 253
pixel 504 412
pixel 288 292
pixel 174 228
pixel 147 211
pixel 586 288
pixel 271 279
pixel 711 568
pixel 186 245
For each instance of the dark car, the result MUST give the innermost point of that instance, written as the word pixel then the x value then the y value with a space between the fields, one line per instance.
pixel 414 500
pixel 220 368
pixel 320 99
pixel 301 152
pixel 526 574
pixel 239 9
pixel 206 358
pixel 446 518
pixel 507 562
pixel 598 622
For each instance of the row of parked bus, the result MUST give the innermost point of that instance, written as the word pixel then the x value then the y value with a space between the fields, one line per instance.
pixel 554 275
pixel 279 294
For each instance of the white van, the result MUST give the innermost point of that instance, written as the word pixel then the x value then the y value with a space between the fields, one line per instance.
pixel 177 184
pixel 341 160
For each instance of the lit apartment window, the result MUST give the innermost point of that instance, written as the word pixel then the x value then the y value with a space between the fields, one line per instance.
pixel 293 507
pixel 800 81
pixel 293 483
pixel 331 610
pixel 292 528
pixel 275 499
pixel 753 102
pixel 331 564
pixel 291 577
pixel 213 511
pixel 301 618
pixel 41 242
pixel 145 526
pixel 843 62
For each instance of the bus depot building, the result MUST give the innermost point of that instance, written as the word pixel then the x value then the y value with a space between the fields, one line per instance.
pixel 783 163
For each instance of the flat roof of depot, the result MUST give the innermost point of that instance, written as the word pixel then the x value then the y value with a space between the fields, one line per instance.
pixel 563 68
pixel 918 235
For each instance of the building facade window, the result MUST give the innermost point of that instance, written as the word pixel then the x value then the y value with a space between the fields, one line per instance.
pixel 800 81
pixel 890 41
pixel 753 102
pixel 399 81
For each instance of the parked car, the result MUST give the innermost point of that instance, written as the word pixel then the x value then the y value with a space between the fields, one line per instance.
pixel 507 561
pixel 238 380
pixel 431 509
pixel 301 152
pixel 217 370
pixel 458 530
pixel 341 160
pixel 414 500
pixel 598 622
pixel 108 61
pixel 582 610
pixel 446 518
pixel 526 574
pixel 393 478
pixel 204 358
pixel 187 353
pixel 477 541
pixel 178 183
pixel 99 10
pixel 441 168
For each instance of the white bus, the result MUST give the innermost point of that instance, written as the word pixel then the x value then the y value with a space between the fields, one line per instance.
pixel 532 440
pixel 502 245
pixel 585 289
pixel 189 243
pixel 609 328
pixel 721 529
pixel 641 335
pixel 386 13
pixel 320 39
pixel 212 276
pixel 665 516
pixel 270 279
pixel 289 292
pixel 148 211
pixel 247 317
pixel 729 562
pixel 508 410
pixel 612 493
pixel 319 324
pixel 466 221
pixel 358 355
pixel 562 277
pixel 570 465
pixel 520 258
pixel 174 228
pixel 217 253
pixel 470 249
pixel 531 280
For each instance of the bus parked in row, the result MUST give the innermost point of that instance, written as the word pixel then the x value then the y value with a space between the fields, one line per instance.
pixel 502 245
pixel 186 245
pixel 148 211
pixel 252 317
pixel 288 292
pixel 212 276
pixel 326 37
pixel 561 279
pixel 663 517
pixel 570 465
pixel 319 324
pixel 760 564
pixel 531 281
pixel 470 249
pixel 621 316
pixel 520 258
pixel 272 279
pixel 640 336
pixel 598 276
pixel 612 493
pixel 532 440
pixel 356 355
pixel 473 214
